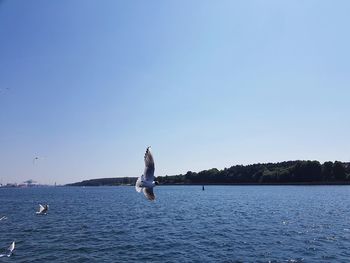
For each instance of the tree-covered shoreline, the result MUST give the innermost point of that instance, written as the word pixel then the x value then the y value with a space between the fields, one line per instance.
pixel 289 172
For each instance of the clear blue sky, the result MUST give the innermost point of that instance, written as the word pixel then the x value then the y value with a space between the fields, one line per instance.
pixel 87 85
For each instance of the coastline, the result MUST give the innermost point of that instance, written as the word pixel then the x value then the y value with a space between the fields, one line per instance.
pixel 230 184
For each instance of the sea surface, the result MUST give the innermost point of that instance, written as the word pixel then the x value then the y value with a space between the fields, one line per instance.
pixel 184 224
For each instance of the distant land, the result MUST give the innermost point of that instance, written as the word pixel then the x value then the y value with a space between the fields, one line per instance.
pixel 289 172
pixel 28 183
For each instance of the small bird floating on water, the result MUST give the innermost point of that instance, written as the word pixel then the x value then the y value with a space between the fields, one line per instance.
pixel 146 182
pixel 9 250
pixel 42 209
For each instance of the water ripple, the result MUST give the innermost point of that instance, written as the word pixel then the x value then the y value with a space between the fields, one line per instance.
pixel 185 224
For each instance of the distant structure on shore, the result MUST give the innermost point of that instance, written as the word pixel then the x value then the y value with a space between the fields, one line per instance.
pixel 28 183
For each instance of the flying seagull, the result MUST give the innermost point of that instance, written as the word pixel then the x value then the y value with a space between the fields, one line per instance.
pixel 3 218
pixel 146 182
pixel 35 159
pixel 9 250
pixel 42 209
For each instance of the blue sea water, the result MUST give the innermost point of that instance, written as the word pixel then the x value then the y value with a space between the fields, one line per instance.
pixel 184 224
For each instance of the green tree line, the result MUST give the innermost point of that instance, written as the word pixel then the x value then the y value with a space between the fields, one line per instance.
pixel 261 173
pixel 106 181
pixel 283 172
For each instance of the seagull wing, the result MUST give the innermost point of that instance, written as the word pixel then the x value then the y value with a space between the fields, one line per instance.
pixel 149 166
pixel 138 185
pixel 9 250
pixel 148 192
pixel 41 208
pixel 11 247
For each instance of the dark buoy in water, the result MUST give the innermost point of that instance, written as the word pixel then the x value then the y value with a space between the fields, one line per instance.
pixel 202 187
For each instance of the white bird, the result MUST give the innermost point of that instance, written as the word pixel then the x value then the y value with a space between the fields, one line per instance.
pixel 3 218
pixel 146 182
pixel 42 209
pixel 9 250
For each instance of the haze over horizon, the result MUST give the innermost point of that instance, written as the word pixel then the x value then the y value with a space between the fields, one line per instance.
pixel 86 86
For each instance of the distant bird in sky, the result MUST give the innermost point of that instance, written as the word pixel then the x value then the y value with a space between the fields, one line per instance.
pixel 146 182
pixel 42 209
pixel 35 159
pixel 3 218
pixel 39 159
pixel 9 250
